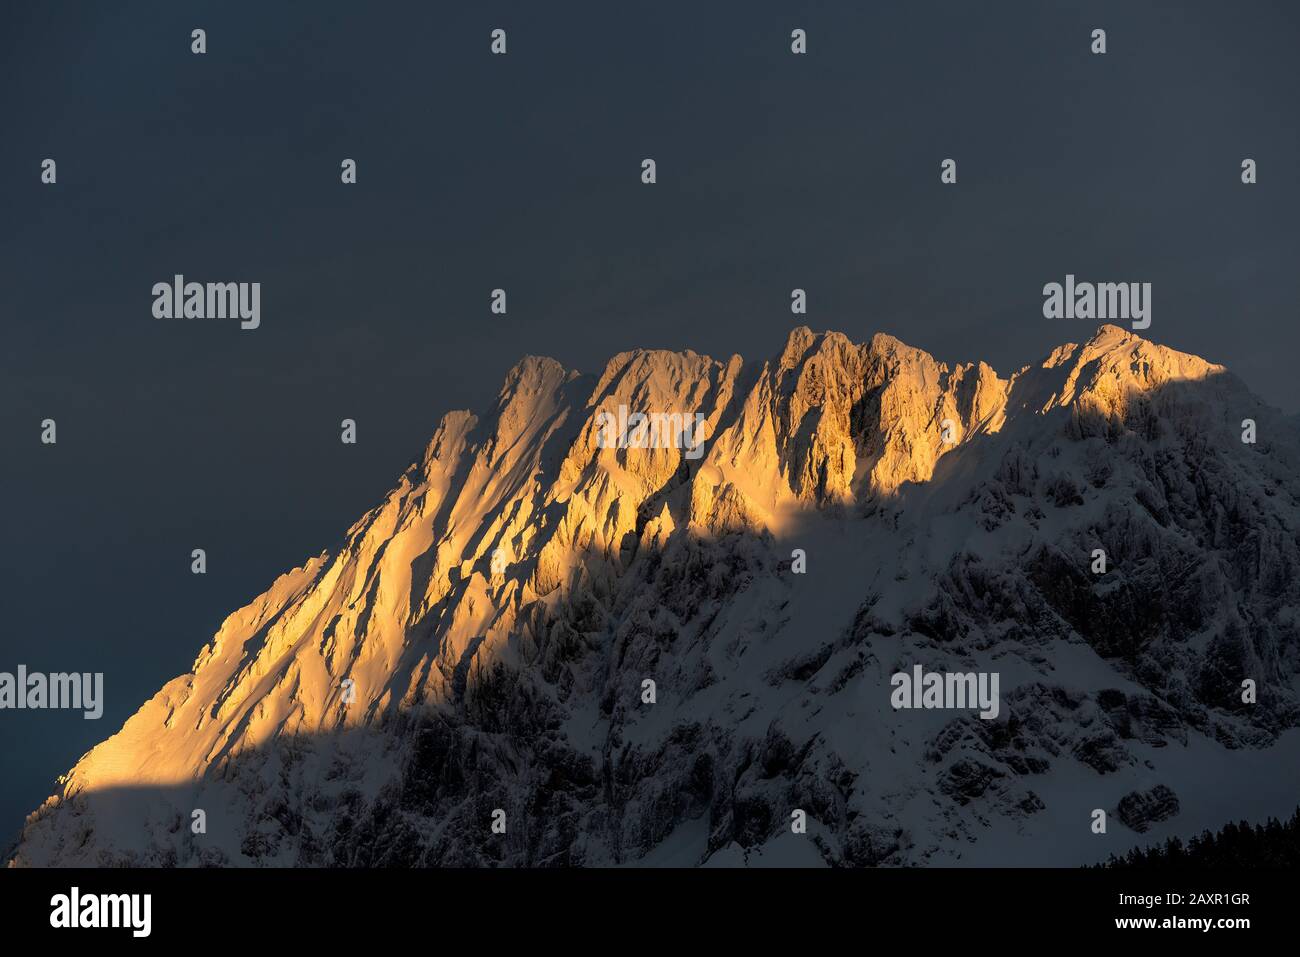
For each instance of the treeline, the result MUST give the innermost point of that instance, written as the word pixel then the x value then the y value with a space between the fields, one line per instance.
pixel 1272 844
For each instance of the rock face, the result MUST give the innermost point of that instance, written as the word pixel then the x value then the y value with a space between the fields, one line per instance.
pixel 483 638
pixel 1140 809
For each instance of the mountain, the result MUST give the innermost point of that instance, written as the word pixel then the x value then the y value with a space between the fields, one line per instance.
pixel 477 649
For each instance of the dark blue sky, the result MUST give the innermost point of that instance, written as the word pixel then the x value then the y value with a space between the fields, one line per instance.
pixel 475 171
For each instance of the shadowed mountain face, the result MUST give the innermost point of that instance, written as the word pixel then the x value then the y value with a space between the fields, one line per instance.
pixel 483 638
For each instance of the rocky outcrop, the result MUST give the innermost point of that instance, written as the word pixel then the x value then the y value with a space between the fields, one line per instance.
pixel 1140 809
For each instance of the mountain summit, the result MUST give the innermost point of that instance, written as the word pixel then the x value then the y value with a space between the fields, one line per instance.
pixel 542 648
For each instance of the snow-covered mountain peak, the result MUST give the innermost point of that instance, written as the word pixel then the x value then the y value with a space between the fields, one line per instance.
pixel 482 636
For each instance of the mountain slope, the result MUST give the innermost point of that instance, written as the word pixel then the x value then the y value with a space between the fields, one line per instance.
pixel 481 639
